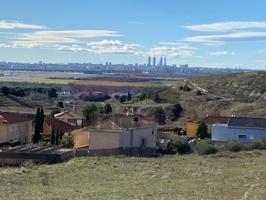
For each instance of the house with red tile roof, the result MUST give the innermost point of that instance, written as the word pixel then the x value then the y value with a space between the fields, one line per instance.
pixel 71 117
pixel 56 125
pixel 15 127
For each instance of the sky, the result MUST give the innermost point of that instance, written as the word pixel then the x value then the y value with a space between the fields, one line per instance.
pixel 206 33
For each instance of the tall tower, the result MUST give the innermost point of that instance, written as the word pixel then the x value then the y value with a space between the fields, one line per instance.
pixel 161 62
pixel 149 61
pixel 154 61
pixel 164 61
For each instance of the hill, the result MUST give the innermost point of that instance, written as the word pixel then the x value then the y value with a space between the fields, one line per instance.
pixel 247 87
pixel 239 94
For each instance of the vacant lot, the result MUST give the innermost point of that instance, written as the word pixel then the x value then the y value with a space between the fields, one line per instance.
pixel 222 176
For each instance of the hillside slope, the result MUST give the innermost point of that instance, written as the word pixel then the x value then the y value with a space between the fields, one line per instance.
pixel 239 94
pixel 243 87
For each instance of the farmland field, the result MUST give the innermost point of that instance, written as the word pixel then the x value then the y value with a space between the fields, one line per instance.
pixel 221 176
pixel 64 78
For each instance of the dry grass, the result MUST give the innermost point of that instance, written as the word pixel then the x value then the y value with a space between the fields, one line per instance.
pixel 241 176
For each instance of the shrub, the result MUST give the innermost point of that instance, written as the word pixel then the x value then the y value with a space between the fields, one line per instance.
pixel 158 114
pixel 108 108
pixel 206 147
pixel 67 142
pixel 175 111
pixel 55 111
pixel 259 143
pixel 123 99
pixel 5 90
pixel 178 145
pixel 202 131
pixel 234 146
pixel 28 164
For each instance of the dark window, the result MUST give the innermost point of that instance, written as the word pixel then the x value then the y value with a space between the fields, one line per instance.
pixel 143 142
pixel 242 137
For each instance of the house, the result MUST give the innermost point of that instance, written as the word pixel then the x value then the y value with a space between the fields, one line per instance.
pixel 15 127
pixel 56 125
pixel 70 117
pixel 131 135
pixel 242 129
pixel 192 126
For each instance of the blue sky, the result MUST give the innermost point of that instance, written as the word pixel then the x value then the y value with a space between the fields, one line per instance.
pixel 201 33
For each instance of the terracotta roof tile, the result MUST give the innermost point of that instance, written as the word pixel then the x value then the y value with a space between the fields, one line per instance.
pixel 11 118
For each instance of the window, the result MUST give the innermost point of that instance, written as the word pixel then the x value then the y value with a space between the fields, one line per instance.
pixel 242 137
pixel 143 142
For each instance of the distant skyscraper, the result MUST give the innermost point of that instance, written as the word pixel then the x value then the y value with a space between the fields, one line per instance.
pixel 149 61
pixel 161 61
pixel 164 61
pixel 154 61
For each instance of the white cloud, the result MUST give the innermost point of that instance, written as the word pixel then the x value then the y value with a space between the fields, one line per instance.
pixel 113 46
pixel 18 25
pixel 226 26
pixel 42 38
pixel 170 49
pixel 101 47
pixel 221 53
pixel 238 36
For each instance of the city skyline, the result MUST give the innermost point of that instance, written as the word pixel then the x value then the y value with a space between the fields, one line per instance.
pixel 186 32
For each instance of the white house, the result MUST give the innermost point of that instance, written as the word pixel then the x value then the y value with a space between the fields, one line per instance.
pixel 239 128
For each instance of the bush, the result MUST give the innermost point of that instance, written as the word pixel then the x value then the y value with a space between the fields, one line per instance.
pixel 55 111
pixel 158 114
pixel 234 146
pixel 174 111
pixel 5 90
pixel 67 142
pixel 206 147
pixel 259 143
pixel 123 99
pixel 178 145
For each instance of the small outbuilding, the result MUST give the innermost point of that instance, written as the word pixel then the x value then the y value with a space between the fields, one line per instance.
pixel 242 129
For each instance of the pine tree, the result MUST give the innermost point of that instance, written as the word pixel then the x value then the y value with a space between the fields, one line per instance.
pixel 129 96
pixel 202 131
pixel 39 120
pixel 37 127
pixel 57 138
pixel 53 137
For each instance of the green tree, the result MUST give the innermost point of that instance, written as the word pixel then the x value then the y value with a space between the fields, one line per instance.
pixel 53 136
pixel 57 137
pixel 175 111
pixel 39 120
pixel 159 115
pixel 60 104
pixel 90 113
pixel 52 93
pixel 123 98
pixel 156 98
pixel 202 131
pixel 108 108
pixel 5 90
pixel 129 96
pixel 55 111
